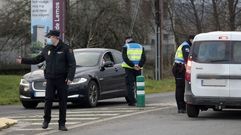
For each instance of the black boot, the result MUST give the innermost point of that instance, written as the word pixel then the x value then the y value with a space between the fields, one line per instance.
pixel 45 125
pixel 63 128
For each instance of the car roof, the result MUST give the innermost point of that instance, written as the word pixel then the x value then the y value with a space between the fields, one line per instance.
pixel 219 36
pixel 95 49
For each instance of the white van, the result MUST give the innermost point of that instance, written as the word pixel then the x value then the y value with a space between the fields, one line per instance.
pixel 213 72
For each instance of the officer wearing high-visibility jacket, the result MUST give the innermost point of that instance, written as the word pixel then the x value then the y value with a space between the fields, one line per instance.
pixel 134 58
pixel 179 69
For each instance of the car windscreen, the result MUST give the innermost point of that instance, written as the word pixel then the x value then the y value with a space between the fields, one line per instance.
pixel 87 59
pixel 211 52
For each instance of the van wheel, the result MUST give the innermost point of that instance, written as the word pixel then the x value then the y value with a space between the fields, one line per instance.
pixel 29 104
pixel 192 111
pixel 92 96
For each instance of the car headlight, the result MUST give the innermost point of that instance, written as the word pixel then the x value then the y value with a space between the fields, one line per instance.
pixel 78 81
pixel 25 84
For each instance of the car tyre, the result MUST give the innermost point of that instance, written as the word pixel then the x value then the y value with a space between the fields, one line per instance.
pixel 192 111
pixel 92 95
pixel 29 104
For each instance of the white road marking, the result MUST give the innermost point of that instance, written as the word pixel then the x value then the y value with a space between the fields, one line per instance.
pixel 162 104
pixel 100 111
pixel 68 115
pixel 87 118
pixel 56 123
pixel 107 119
pixel 88 115
pixel 32 129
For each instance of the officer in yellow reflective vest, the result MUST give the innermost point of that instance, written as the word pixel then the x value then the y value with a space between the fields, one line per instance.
pixel 134 58
pixel 178 70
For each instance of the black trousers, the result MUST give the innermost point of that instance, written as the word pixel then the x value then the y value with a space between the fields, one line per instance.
pixel 131 75
pixel 179 74
pixel 61 87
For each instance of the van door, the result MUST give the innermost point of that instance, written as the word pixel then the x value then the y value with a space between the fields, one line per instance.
pixel 210 68
pixel 235 70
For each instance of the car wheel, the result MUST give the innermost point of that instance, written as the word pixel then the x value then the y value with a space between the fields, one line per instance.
pixel 29 104
pixel 92 94
pixel 192 111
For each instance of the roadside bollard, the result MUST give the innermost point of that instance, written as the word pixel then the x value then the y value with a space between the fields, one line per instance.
pixel 140 91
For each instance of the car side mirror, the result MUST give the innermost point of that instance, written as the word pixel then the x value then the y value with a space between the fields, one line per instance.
pixel 106 65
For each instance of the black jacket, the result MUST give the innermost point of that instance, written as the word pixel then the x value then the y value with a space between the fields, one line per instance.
pixel 126 59
pixel 60 61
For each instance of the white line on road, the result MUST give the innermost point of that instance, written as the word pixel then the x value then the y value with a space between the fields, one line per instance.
pixel 68 115
pixel 56 123
pixel 107 119
pixel 87 118
pixel 88 115
pixel 162 104
pixel 102 111
pixel 34 129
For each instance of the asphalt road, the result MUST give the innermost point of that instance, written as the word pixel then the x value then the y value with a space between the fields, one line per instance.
pixel 114 117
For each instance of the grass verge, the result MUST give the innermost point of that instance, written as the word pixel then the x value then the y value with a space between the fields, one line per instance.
pixel 9 89
pixel 154 86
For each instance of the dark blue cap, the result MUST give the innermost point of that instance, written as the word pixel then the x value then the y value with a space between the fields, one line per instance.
pixel 53 33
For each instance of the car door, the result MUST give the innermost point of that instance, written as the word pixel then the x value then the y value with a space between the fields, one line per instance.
pixel 107 75
pixel 120 72
pixel 235 70
pixel 210 69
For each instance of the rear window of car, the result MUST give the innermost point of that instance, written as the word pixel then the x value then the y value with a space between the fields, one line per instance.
pixel 217 52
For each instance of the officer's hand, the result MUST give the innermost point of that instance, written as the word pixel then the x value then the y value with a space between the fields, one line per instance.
pixel 19 60
pixel 68 82
pixel 137 67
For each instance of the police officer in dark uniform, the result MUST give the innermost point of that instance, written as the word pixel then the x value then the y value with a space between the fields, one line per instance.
pixel 59 72
pixel 134 58
pixel 179 69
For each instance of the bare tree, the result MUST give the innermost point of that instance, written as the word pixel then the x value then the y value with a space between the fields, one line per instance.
pixel 196 16
pixel 216 14
pixel 15 24
pixel 232 11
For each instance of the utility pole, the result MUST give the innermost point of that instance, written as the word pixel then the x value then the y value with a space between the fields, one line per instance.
pixel 159 39
pixel 67 13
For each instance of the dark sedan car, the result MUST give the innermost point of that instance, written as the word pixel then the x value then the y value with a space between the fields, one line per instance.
pixel 99 75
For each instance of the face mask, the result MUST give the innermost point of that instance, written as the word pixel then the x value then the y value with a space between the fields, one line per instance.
pixel 49 41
